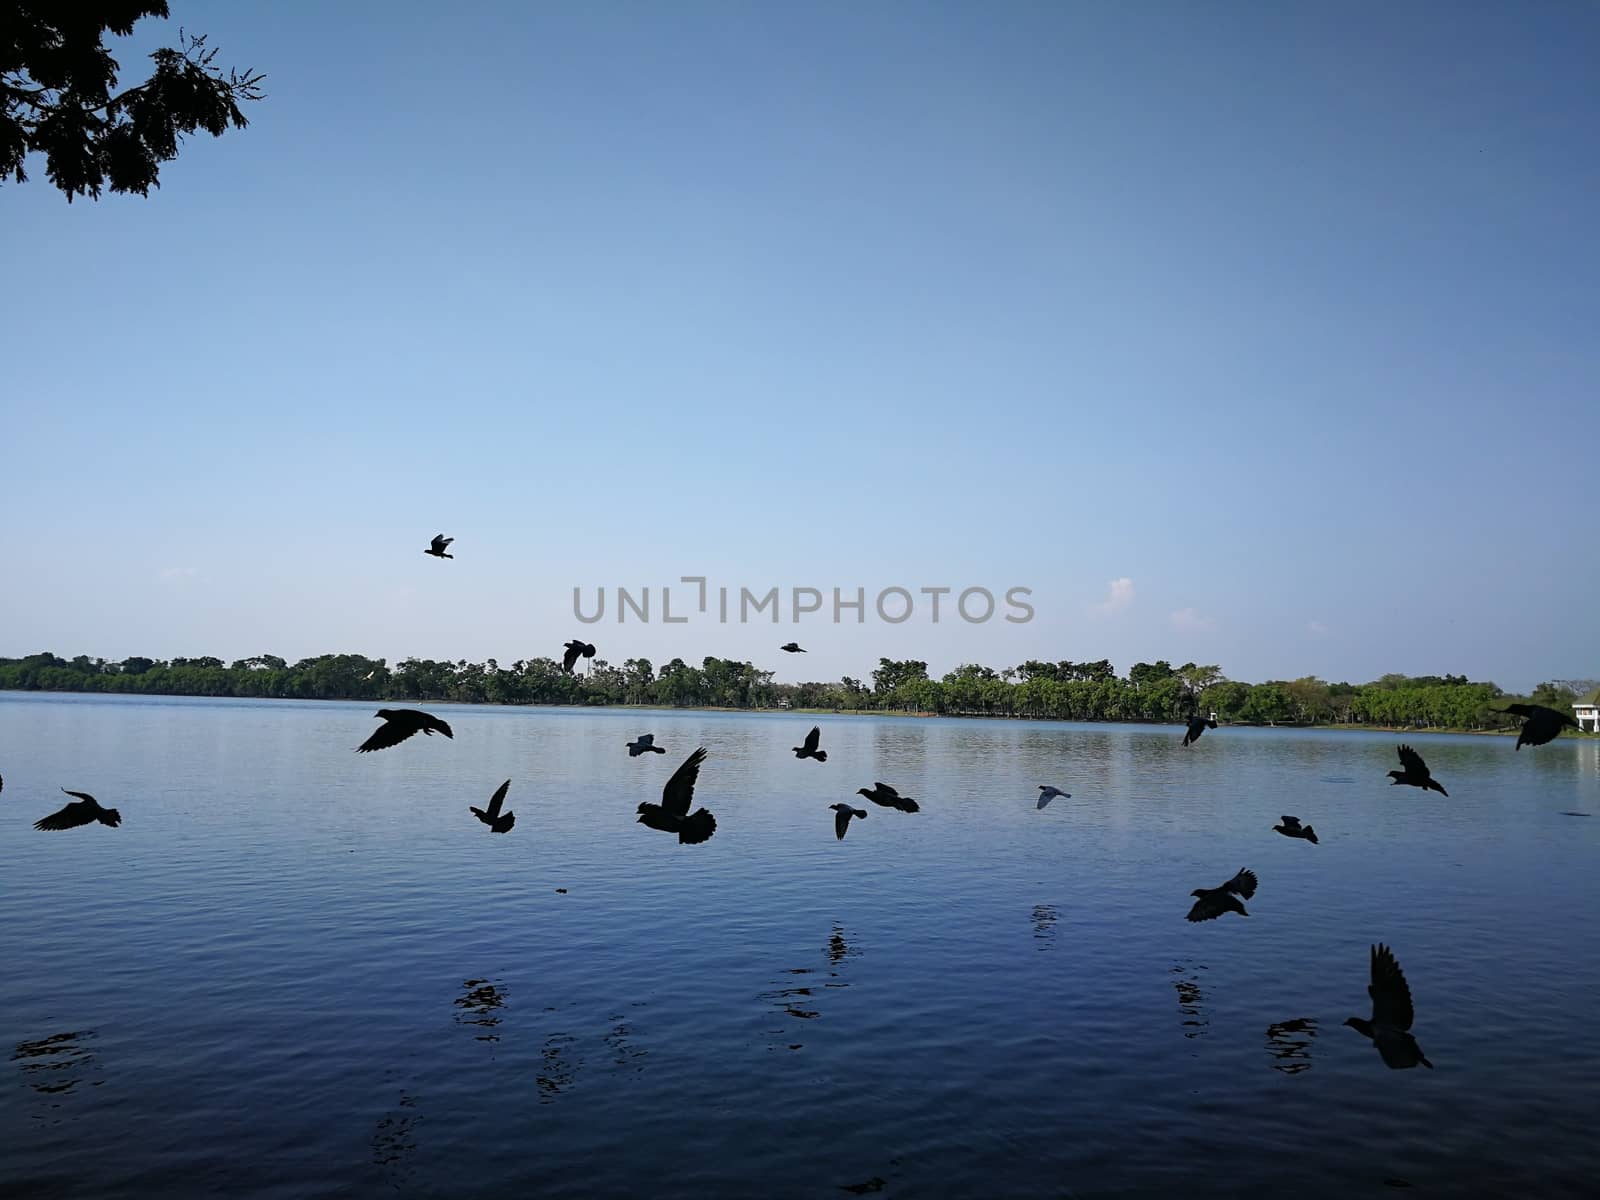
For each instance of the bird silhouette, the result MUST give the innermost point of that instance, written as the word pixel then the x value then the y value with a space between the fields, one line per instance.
pixel 646 744
pixel 85 810
pixel 882 793
pixel 841 818
pixel 1416 772
pixel 1048 793
pixel 1213 902
pixel 1390 1026
pixel 1540 724
pixel 672 814
pixel 1197 726
pixel 809 749
pixel 792 648
pixel 436 547
pixel 398 725
pixel 492 817
pixel 575 650
pixel 1291 827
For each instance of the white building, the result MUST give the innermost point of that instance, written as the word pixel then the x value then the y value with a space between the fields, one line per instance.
pixel 1587 712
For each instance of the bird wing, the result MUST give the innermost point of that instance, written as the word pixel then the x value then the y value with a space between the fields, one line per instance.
pixel 679 792
pixel 1207 907
pixel 1521 710
pixel 1291 822
pixel 813 739
pixel 646 739
pixel 1242 884
pixel 499 798
pixel 80 812
pixel 1391 997
pixel 571 656
pixel 884 790
pixel 1412 761
pixel 841 820
pixel 1045 796
pixel 390 733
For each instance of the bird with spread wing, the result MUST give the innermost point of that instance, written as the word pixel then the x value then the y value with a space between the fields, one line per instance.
pixel 672 815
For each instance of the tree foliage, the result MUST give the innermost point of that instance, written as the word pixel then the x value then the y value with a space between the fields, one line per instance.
pixel 1032 689
pixel 57 96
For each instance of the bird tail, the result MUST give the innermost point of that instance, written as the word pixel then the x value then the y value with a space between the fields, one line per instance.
pixel 655 749
pixel 820 755
pixel 697 827
pixel 111 817
pixel 1311 835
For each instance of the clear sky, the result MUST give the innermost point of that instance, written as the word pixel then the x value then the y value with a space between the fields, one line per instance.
pixel 1287 314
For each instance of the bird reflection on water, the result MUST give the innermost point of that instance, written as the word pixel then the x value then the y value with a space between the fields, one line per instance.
pixel 1289 1043
pixel 56 1065
pixel 1189 999
pixel 1044 926
pixel 482 1004
pixel 798 999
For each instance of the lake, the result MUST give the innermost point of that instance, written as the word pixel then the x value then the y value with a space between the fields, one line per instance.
pixel 297 971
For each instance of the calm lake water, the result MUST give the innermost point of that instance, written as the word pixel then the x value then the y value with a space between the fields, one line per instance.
pixel 295 971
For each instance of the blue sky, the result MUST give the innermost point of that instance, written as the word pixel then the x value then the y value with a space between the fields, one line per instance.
pixel 1285 314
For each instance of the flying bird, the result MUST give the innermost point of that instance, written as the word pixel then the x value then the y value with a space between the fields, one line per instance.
pixel 1048 793
pixel 792 647
pixel 1540 724
pixel 809 749
pixel 1213 902
pixel 882 793
pixel 841 818
pixel 646 744
pixel 1415 772
pixel 575 650
pixel 1291 827
pixel 85 810
pixel 493 818
pixel 436 547
pixel 398 725
pixel 672 814
pixel 1390 1027
pixel 1197 726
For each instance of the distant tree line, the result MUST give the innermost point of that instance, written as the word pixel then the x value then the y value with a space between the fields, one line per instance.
pixel 1087 691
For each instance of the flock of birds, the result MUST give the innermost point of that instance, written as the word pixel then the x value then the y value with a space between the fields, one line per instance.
pixel 1389 1027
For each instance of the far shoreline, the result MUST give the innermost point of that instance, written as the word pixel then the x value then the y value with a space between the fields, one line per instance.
pixel 1409 731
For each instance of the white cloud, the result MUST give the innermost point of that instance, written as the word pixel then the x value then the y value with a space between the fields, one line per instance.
pixel 1190 621
pixel 1119 594
pixel 1316 629
pixel 180 572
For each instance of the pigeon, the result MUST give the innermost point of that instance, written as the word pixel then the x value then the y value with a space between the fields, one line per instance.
pixel 842 815
pixel 885 795
pixel 1416 772
pixel 1213 902
pixel 398 725
pixel 497 821
pixel 672 814
pixel 85 811
pixel 792 647
pixel 646 744
pixel 1540 724
pixel 1048 793
pixel 1291 827
pixel 809 749
pixel 575 649
pixel 1197 726
pixel 1392 1015
pixel 436 547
